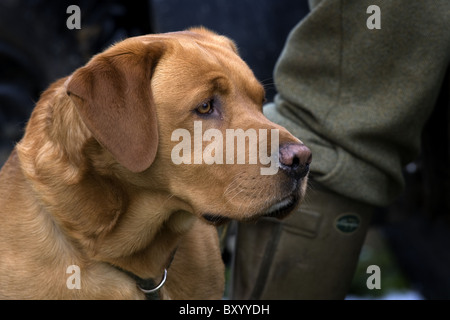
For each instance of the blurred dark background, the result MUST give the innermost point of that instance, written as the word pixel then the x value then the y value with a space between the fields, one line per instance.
pixel 36 48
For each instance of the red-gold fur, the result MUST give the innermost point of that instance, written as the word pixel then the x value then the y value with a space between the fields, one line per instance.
pixel 92 184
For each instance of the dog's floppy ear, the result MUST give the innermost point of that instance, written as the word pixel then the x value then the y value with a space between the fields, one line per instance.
pixel 112 94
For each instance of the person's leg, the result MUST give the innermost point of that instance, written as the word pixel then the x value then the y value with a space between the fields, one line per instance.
pixel 358 98
pixel 310 255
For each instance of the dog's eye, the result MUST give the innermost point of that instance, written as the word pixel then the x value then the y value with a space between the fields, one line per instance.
pixel 206 107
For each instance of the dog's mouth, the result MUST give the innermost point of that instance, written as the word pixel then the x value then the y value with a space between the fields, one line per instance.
pixel 215 219
pixel 283 208
pixel 279 210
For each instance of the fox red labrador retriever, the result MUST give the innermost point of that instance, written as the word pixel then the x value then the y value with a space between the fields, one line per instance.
pixel 103 199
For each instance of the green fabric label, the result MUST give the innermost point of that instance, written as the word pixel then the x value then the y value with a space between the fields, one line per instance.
pixel 347 223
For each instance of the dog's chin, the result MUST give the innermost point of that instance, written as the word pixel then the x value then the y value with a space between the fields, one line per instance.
pixel 280 210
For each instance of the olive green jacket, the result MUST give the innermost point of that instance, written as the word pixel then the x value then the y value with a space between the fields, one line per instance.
pixel 359 97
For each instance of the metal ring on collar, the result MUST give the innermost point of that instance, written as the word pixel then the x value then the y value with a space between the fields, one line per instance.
pixel 159 286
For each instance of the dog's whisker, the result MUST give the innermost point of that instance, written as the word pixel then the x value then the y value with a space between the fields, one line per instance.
pixel 235 188
pixel 229 200
pixel 254 196
pixel 231 184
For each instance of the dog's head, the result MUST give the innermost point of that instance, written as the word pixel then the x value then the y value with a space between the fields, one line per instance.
pixel 182 113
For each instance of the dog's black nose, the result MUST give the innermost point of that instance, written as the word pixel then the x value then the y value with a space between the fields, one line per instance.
pixel 295 159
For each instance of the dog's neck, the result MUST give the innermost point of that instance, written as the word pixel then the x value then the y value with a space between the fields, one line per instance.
pixel 106 219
